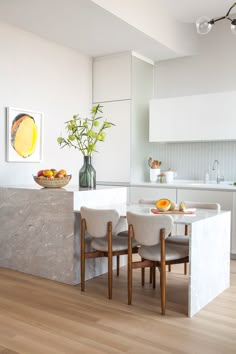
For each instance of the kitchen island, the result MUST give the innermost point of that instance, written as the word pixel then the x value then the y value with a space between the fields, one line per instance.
pixel 209 252
pixel 186 190
pixel 39 231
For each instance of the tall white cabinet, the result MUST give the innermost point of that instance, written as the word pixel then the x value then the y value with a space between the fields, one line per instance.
pixel 123 85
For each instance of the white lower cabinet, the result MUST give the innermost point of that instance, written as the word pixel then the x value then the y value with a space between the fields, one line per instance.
pixel 136 193
pixel 227 201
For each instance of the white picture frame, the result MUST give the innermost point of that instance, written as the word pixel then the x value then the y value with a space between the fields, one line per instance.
pixel 32 136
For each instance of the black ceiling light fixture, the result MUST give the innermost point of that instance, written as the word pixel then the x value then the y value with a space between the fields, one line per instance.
pixel 204 24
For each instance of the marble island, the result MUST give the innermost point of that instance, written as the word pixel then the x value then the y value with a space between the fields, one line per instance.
pixel 39 231
pixel 40 235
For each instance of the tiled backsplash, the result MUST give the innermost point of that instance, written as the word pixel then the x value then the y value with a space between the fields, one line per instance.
pixel 193 160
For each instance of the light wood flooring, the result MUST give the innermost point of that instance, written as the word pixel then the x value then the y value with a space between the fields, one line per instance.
pixel 39 316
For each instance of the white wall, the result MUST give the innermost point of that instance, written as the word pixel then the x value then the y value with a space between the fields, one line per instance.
pixel 39 75
pixel 212 70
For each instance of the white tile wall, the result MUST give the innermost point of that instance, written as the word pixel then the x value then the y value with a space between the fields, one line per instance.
pixel 193 160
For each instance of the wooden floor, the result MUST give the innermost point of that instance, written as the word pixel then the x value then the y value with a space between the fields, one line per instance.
pixel 39 316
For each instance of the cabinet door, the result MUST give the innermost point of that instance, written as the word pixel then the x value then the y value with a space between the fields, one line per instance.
pixel 112 78
pixel 171 117
pixel 225 199
pixel 112 162
pixel 136 193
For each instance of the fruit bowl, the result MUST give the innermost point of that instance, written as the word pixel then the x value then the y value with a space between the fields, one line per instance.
pixel 53 182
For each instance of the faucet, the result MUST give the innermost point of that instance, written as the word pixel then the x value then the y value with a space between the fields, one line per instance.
pixel 215 167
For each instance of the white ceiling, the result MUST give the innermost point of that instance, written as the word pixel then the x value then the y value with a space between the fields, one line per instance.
pixel 82 25
pixel 191 10
pixel 87 27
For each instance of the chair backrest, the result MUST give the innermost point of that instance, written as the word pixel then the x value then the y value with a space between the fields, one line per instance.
pixel 147 201
pixel 147 227
pixel 97 220
pixel 202 205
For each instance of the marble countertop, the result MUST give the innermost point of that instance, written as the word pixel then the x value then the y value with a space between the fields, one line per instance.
pixel 68 188
pixel 180 184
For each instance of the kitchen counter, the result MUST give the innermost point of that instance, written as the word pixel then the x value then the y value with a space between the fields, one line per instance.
pixel 40 228
pixel 180 184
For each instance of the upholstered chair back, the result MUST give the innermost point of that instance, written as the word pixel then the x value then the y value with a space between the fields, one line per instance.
pixel 147 201
pixel 202 205
pixel 97 219
pixel 147 227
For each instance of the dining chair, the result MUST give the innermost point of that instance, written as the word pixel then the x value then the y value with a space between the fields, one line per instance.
pixel 124 233
pixel 150 232
pixel 151 202
pixel 182 239
pixel 100 224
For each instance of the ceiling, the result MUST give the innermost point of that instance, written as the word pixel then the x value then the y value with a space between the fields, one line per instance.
pixel 94 31
pixel 190 10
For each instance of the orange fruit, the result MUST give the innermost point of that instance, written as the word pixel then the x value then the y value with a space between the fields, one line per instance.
pixel 47 173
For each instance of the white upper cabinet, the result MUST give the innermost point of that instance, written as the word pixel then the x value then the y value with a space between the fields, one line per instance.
pixel 123 84
pixel 209 117
pixel 112 78
pixel 112 162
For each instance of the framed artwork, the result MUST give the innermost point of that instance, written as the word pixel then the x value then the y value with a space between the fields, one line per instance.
pixel 24 135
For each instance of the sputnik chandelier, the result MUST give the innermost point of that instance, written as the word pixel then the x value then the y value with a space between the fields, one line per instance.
pixel 204 24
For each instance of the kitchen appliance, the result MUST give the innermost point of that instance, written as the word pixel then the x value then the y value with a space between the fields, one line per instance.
pixel 169 176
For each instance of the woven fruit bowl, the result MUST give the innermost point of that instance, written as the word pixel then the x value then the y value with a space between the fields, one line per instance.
pixel 53 182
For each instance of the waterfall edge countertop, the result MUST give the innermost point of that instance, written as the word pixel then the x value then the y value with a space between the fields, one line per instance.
pixel 39 231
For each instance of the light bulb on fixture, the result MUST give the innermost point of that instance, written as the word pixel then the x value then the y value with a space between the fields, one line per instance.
pixel 204 24
pixel 233 26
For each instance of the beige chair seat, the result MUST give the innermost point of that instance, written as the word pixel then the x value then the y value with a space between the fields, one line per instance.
pixel 153 253
pixel 123 234
pixel 151 232
pixel 118 244
pixel 178 240
pixel 101 226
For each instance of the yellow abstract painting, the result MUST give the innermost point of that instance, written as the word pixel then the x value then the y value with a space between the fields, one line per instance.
pixel 24 135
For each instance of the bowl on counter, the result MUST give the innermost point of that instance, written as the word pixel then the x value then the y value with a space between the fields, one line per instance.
pixel 52 182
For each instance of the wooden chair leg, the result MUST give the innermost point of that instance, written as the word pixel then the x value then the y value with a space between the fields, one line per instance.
pixel 117 265
pixel 130 234
pixel 163 290
pixel 186 232
pixel 143 275
pixel 82 255
pixel 109 260
pixel 169 266
pixel 153 277
pixel 185 268
pixel 163 273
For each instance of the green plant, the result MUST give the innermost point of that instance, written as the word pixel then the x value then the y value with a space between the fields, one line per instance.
pixel 84 133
